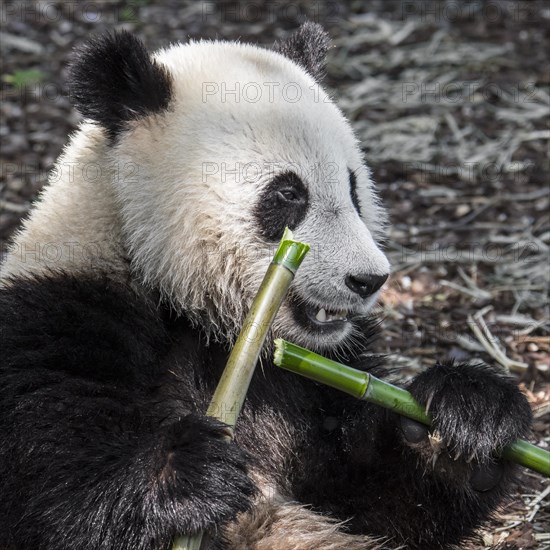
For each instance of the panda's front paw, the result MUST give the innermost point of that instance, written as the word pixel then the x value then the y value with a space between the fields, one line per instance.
pixel 204 475
pixel 476 412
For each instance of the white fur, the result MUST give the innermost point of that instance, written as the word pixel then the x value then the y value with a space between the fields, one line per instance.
pixel 190 234
pixel 74 226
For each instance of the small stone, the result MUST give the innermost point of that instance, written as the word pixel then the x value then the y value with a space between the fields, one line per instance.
pixel 417 287
pixel 461 210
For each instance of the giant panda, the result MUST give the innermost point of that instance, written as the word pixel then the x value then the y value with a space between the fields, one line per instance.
pixel 126 286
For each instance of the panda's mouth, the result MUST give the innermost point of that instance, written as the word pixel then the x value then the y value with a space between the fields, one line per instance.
pixel 317 317
pixel 324 316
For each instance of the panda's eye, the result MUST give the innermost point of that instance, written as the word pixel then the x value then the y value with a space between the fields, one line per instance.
pixel 282 203
pixel 288 195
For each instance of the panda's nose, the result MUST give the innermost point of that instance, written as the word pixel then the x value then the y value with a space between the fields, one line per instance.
pixel 365 284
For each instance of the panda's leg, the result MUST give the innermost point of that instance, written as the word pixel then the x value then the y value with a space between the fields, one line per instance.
pixel 276 523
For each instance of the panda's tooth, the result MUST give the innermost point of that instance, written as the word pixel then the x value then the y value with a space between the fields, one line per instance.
pixel 321 315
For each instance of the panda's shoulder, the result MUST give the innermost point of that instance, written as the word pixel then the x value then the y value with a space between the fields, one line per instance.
pixel 82 325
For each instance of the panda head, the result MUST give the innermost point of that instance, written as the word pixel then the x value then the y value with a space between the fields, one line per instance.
pixel 216 147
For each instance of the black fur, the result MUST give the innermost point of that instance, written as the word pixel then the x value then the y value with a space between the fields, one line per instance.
pixel 307 47
pixel 353 190
pixel 91 456
pixel 283 203
pixel 104 445
pixel 113 80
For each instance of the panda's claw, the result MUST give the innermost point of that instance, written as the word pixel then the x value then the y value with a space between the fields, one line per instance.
pixel 429 403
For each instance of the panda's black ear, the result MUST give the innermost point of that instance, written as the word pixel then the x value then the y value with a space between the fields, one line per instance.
pixel 307 47
pixel 113 79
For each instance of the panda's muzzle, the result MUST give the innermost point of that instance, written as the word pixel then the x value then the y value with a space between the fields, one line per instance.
pixel 323 318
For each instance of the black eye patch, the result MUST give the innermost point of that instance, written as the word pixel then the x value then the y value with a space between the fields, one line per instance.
pixel 283 202
pixel 353 190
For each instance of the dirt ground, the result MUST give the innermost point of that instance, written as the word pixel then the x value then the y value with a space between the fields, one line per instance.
pixel 451 103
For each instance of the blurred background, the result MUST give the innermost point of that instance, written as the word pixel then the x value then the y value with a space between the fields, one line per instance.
pixel 450 100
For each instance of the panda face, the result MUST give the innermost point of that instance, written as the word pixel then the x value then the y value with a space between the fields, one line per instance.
pixel 247 144
pixel 325 196
pixel 339 281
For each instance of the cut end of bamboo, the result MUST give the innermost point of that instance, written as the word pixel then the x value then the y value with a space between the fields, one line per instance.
pixel 290 253
pixel 279 351
pixel 287 235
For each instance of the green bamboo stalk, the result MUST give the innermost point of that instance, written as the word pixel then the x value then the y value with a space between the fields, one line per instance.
pixel 366 387
pixel 231 391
